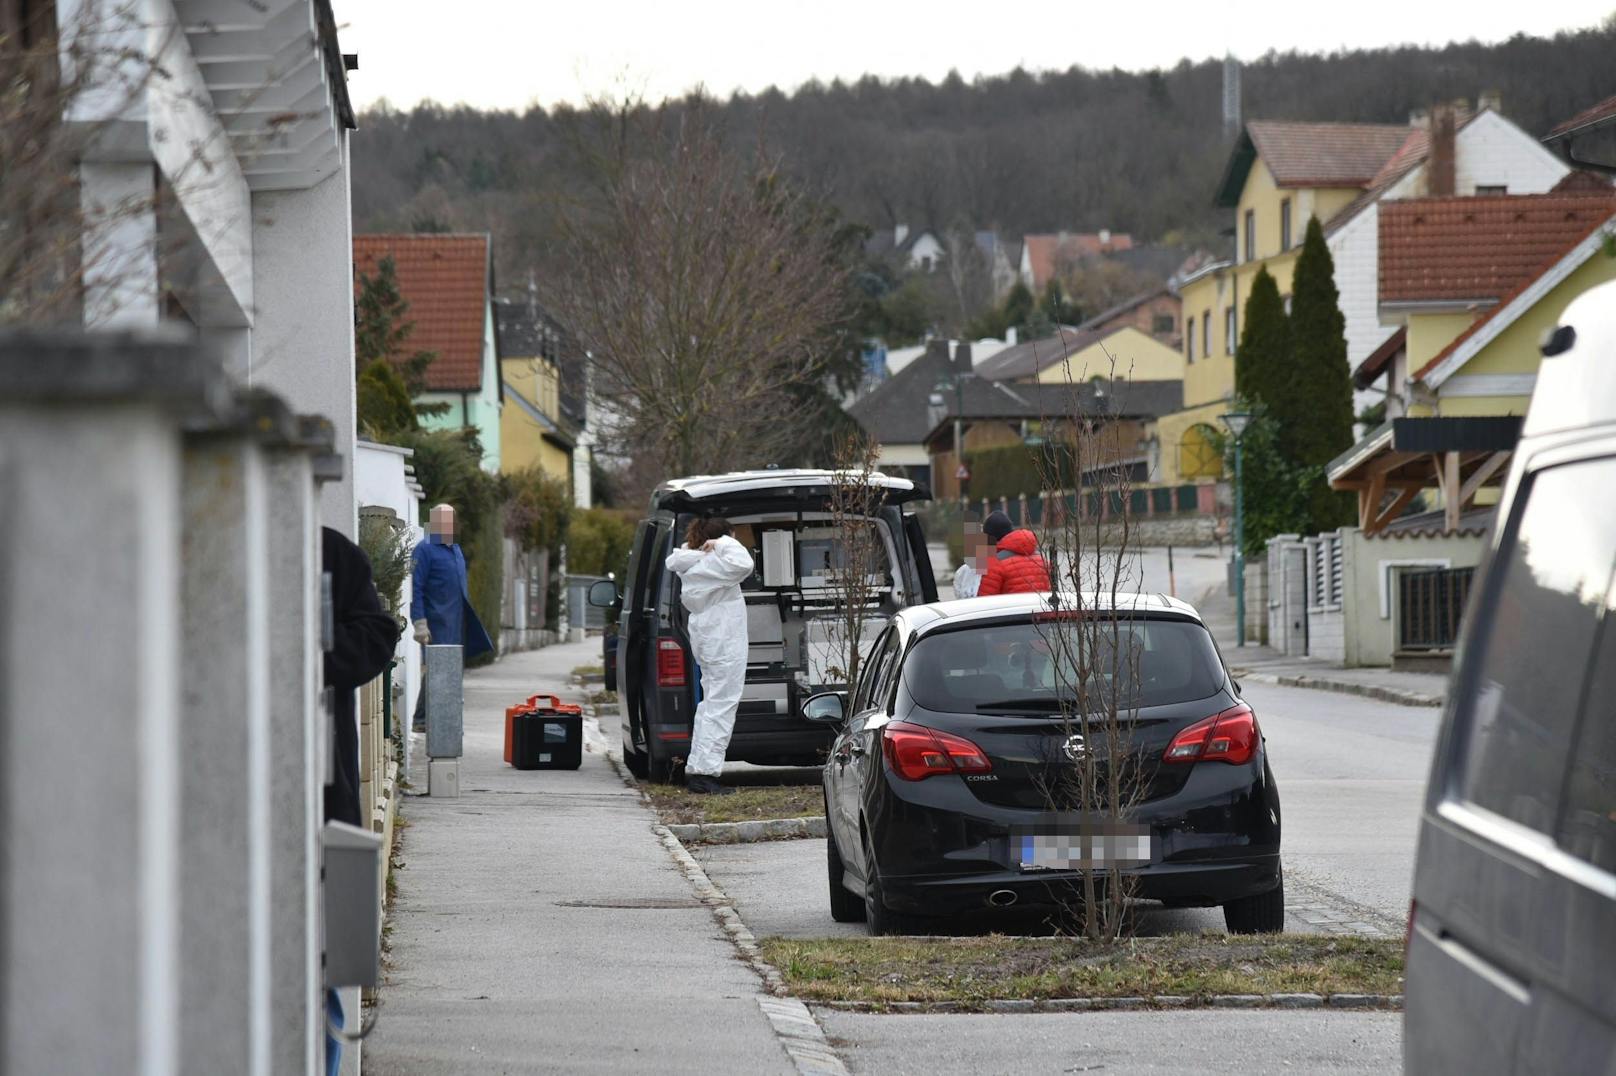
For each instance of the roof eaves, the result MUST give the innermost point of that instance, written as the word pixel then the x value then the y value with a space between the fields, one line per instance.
pixel 1463 348
pixel 1375 365
pixel 1235 171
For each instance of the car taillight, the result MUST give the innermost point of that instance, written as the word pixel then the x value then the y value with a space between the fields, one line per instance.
pixel 916 752
pixel 1227 737
pixel 670 663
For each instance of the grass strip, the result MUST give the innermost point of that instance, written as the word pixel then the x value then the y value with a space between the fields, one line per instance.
pixel 676 806
pixel 974 970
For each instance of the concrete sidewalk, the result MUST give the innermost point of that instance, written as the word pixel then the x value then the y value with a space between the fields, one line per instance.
pixel 541 926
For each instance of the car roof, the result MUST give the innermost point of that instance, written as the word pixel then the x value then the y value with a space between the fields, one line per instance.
pixel 704 487
pixel 922 619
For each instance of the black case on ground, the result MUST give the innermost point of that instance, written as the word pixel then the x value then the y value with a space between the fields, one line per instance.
pixel 541 741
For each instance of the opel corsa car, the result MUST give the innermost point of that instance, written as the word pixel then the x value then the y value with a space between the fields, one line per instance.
pixel 943 787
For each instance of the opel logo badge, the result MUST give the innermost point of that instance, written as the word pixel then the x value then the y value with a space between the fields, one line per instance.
pixel 1074 747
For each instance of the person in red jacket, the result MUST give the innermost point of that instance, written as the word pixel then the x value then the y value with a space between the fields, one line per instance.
pixel 1017 567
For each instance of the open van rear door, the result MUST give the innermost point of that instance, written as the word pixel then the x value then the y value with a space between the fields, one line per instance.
pixel 917 546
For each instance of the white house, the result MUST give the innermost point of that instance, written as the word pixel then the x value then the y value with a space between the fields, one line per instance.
pixel 167 471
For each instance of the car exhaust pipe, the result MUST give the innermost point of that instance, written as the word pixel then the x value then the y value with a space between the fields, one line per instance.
pixel 1002 898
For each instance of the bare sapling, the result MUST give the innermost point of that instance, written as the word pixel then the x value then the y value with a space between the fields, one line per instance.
pixel 1092 775
pixel 855 503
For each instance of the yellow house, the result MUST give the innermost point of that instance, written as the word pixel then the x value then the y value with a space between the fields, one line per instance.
pixel 534 427
pixel 1123 352
pixel 1468 333
pixel 1280 175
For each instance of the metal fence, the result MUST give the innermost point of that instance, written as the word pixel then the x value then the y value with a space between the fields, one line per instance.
pixel 1430 605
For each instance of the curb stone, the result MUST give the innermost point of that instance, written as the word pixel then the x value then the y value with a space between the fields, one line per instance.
pixel 1397 696
pixel 768 829
pixel 1388 1002
pixel 794 1026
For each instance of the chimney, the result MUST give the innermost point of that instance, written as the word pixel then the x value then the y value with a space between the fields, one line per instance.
pixel 1490 101
pixel 1010 337
pixel 900 232
pixel 1420 117
pixel 1105 237
pixel 962 356
pixel 1441 166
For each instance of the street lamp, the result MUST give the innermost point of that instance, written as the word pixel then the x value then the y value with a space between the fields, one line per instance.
pixel 1237 421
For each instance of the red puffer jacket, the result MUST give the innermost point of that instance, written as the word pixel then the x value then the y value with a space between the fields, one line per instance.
pixel 1018 569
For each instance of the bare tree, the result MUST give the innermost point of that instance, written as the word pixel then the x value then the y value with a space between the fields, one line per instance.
pixel 856 500
pixel 703 286
pixel 1093 775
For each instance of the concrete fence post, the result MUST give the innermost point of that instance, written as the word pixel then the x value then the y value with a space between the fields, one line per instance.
pixel 92 751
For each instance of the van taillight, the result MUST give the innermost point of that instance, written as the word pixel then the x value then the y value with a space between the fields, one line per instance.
pixel 1227 737
pixel 915 752
pixel 670 664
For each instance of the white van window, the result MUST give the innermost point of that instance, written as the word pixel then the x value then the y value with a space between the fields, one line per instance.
pixel 1517 725
pixel 1588 826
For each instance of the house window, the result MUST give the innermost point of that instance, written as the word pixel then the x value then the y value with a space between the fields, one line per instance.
pixel 1285 224
pixel 1162 325
pixel 1251 234
pixel 1483 190
pixel 1229 333
pixel 1206 334
pixel 1189 339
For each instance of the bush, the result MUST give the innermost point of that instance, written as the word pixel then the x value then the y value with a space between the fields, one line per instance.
pixel 386 543
pixel 598 541
pixel 1016 469
pixel 538 510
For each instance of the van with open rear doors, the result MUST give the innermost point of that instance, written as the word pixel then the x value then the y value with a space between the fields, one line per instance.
pixel 783 518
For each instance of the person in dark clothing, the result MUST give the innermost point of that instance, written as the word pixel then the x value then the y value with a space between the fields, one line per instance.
pixel 1017 567
pixel 362 644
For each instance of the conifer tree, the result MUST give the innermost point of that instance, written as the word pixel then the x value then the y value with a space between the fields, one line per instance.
pixel 1263 355
pixel 1316 398
pixel 382 331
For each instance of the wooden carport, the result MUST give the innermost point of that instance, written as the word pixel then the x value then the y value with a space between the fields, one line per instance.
pixel 1458 456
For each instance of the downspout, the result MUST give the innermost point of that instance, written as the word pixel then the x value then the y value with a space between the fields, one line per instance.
pixel 465 409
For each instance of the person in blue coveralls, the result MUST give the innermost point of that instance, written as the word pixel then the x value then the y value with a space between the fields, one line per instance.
pixel 440 606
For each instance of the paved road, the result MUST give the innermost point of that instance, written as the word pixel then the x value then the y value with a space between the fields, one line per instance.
pixel 1202 1041
pixel 1351 772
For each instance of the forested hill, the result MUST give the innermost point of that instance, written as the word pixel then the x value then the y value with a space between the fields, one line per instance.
pixel 1078 149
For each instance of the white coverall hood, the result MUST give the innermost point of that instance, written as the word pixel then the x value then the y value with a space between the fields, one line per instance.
pixel 710 590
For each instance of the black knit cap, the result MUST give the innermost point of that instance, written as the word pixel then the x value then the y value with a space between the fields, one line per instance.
pixel 996 526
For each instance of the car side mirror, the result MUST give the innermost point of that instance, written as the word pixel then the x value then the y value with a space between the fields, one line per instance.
pixel 825 708
pixel 603 594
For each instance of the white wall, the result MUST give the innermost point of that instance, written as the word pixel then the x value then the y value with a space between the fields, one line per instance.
pixel 379 480
pixel 1492 151
pixel 303 326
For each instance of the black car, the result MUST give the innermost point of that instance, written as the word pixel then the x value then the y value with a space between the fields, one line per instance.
pixel 943 788
pixel 782 517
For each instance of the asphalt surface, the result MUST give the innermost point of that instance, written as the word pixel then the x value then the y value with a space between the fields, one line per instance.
pixel 1198 1041
pixel 540 925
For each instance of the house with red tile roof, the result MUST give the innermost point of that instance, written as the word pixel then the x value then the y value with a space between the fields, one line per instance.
pixel 1279 174
pixel 1044 256
pixel 448 280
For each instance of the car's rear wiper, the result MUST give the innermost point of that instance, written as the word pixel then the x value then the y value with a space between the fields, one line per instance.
pixel 1041 705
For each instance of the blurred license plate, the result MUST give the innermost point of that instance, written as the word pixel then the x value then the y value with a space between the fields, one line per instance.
pixel 1119 846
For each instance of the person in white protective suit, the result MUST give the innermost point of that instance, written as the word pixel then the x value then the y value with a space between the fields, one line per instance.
pixel 711 567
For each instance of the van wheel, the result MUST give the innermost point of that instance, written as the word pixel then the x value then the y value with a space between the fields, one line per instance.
pixel 1261 914
pixel 635 761
pixel 844 906
pixel 877 916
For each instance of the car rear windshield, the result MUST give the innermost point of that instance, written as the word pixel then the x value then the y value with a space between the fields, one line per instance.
pixel 1026 665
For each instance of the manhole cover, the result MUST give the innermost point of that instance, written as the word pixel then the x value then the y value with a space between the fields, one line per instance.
pixel 647 903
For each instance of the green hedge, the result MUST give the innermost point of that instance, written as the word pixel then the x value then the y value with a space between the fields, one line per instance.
pixel 1012 470
pixel 485 573
pixel 598 541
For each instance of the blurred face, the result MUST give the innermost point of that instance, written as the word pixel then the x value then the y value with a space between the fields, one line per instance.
pixel 441 523
pixel 977 545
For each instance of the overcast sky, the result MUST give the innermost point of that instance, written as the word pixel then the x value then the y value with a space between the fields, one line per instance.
pixel 513 53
